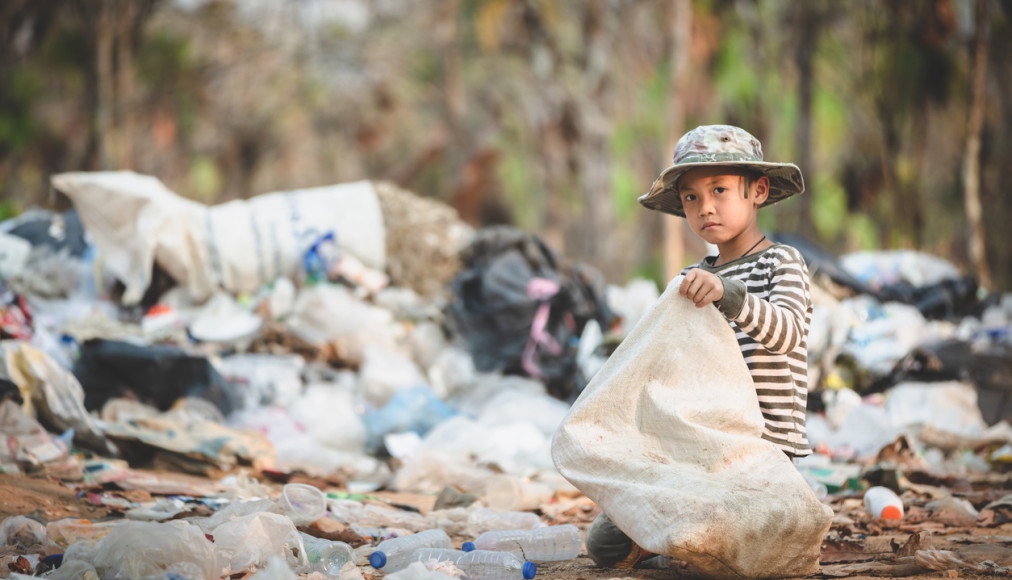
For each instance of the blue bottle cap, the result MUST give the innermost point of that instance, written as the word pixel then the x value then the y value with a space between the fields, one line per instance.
pixel 377 559
pixel 467 546
pixel 530 570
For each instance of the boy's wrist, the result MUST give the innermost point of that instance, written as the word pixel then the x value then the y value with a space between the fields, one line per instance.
pixel 731 303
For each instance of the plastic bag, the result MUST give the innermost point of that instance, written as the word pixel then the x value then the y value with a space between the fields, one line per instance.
pixel 147 549
pixel 517 307
pixel 237 246
pixel 250 541
pixel 667 440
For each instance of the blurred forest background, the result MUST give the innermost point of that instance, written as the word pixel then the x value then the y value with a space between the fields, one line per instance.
pixel 550 115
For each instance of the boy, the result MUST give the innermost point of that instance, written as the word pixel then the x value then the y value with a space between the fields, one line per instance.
pixel 717 182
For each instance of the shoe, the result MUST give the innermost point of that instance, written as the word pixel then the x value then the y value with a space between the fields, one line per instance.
pixel 636 555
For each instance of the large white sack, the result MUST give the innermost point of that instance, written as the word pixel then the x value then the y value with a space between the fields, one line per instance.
pixel 238 246
pixel 666 439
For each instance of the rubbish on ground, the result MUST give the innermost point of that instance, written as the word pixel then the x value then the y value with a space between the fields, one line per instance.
pixel 305 380
pixel 882 502
pixel 518 308
pixel 395 553
pixel 549 543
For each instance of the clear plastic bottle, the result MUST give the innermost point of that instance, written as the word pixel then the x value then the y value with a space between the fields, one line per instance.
pixel 326 556
pixel 883 503
pixel 540 544
pixel 488 565
pixel 480 564
pixel 438 554
pixel 395 554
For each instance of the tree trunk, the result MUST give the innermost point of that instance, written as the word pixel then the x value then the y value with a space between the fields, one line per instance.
pixel 105 80
pixel 807 24
pixel 125 86
pixel 971 162
pixel 681 31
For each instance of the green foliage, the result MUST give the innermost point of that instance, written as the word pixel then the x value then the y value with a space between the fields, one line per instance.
pixel 520 189
pixel 828 207
pixel 9 209
pixel 734 76
pixel 165 58
pixel 625 188
pixel 831 123
pixel 205 179
pixel 862 233
pixel 18 128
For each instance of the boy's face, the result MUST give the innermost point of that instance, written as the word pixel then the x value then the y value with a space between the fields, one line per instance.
pixel 715 203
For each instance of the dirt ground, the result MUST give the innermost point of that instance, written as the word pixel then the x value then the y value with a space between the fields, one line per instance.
pixel 856 547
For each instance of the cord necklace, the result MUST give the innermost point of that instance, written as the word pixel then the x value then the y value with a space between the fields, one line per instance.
pixel 748 251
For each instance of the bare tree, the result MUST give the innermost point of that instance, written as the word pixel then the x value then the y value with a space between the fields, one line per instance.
pixel 971 161
pixel 681 32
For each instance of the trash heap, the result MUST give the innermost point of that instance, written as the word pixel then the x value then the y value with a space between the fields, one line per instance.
pixel 308 353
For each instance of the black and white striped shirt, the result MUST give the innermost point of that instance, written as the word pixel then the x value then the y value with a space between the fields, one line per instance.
pixel 767 301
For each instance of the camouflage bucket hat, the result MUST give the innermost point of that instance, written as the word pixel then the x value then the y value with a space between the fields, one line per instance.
pixel 725 145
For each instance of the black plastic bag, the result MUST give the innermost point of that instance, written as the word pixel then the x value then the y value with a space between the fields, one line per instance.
pixel 155 375
pixel 519 310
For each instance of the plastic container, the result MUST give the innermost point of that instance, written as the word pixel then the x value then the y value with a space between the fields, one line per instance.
pixel 540 544
pixel 395 554
pixel 883 503
pixel 437 554
pixel 302 503
pixel 488 565
pixel 480 564
pixel 326 556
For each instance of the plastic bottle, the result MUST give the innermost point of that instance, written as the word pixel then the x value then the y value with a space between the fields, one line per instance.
pixel 326 556
pixel 540 544
pixel 395 554
pixel 437 554
pixel 883 503
pixel 488 565
pixel 480 564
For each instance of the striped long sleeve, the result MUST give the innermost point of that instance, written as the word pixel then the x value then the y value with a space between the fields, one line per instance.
pixel 767 302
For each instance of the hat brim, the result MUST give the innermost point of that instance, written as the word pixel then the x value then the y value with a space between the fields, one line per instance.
pixel 785 181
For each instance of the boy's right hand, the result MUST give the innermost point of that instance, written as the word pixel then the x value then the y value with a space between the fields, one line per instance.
pixel 701 287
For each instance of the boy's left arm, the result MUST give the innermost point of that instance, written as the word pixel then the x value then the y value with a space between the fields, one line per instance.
pixel 778 324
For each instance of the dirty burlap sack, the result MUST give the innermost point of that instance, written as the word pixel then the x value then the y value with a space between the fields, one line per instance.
pixel 666 439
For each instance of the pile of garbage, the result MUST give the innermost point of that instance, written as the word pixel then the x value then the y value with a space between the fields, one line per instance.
pixel 363 336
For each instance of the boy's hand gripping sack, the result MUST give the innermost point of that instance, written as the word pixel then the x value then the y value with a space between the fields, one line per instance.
pixel 666 439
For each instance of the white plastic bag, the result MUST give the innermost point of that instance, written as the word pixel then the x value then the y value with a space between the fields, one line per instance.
pixel 667 440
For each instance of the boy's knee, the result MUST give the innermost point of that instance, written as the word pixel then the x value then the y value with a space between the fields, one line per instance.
pixel 606 544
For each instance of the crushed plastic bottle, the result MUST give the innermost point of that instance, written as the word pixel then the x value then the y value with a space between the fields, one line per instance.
pixel 395 554
pixel 540 544
pixel 326 556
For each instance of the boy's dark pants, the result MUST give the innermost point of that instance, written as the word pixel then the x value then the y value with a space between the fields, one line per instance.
pixel 609 547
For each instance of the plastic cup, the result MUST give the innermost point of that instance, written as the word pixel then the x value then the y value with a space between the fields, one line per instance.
pixel 302 503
